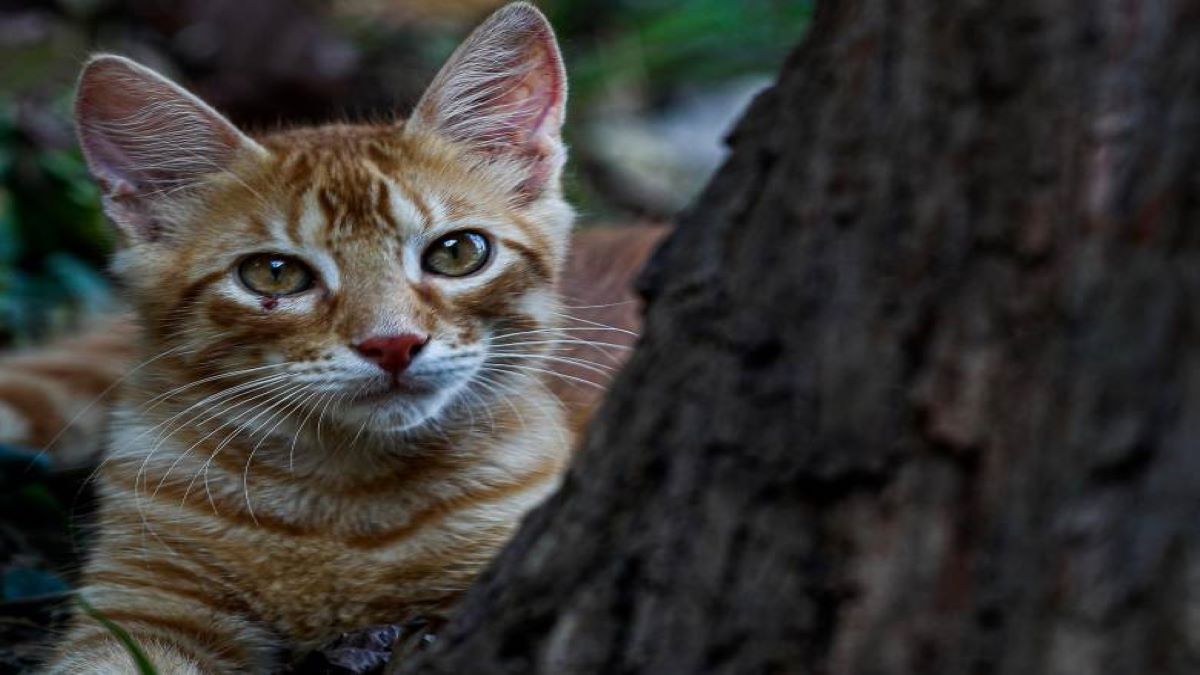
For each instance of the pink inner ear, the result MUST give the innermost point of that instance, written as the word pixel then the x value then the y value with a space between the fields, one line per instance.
pixel 503 91
pixel 141 133
pixel 536 96
pixel 143 137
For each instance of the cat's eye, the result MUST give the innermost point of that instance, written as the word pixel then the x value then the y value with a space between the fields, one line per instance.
pixel 275 274
pixel 457 254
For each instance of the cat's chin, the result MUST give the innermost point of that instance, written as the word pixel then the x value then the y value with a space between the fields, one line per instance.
pixel 396 412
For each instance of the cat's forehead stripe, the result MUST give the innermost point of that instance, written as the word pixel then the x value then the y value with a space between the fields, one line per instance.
pixel 406 210
pixel 312 225
pixel 420 204
pixel 399 202
pixel 295 217
pixel 383 205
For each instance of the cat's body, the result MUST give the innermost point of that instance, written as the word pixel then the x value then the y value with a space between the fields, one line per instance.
pixel 342 407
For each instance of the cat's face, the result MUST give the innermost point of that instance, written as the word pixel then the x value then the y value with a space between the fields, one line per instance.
pixel 375 264
pixel 388 272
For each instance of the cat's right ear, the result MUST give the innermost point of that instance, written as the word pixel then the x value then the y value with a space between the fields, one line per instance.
pixel 504 93
pixel 145 138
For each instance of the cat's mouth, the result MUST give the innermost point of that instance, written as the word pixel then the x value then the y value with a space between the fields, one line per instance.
pixel 407 399
pixel 395 387
pixel 395 405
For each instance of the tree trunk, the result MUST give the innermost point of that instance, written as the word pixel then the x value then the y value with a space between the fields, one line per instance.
pixel 920 385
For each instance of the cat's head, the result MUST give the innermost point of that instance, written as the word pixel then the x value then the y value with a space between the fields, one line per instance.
pixel 388 270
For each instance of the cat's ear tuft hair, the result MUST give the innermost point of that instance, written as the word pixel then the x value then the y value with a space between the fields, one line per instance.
pixel 144 137
pixel 504 92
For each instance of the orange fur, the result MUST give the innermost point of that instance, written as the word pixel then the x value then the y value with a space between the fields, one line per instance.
pixel 265 486
pixel 57 397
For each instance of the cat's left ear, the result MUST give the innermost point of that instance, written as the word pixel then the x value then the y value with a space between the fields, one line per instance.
pixel 146 139
pixel 504 92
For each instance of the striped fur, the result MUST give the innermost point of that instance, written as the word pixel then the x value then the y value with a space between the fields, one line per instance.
pixel 264 487
pixel 57 397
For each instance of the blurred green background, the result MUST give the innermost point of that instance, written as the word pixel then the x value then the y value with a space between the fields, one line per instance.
pixel 655 83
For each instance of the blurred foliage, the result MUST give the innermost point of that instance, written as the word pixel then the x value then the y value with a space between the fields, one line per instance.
pixel 632 60
pixel 661 45
pixel 53 238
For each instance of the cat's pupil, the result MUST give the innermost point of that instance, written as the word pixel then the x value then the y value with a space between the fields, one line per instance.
pixel 277 266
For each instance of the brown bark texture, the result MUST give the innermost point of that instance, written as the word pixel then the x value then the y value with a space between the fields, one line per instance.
pixel 919 390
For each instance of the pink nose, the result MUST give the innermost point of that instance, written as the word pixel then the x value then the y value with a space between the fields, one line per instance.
pixel 393 353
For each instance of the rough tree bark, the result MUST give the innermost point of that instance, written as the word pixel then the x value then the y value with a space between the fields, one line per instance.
pixel 920 386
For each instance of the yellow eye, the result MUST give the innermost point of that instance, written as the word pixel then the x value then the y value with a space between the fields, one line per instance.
pixel 274 274
pixel 457 254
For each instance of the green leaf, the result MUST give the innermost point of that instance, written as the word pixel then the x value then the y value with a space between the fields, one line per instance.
pixel 140 660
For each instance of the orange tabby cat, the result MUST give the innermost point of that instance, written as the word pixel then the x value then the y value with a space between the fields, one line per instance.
pixel 343 411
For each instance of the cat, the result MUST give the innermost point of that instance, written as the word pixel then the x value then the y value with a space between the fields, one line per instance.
pixel 342 405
